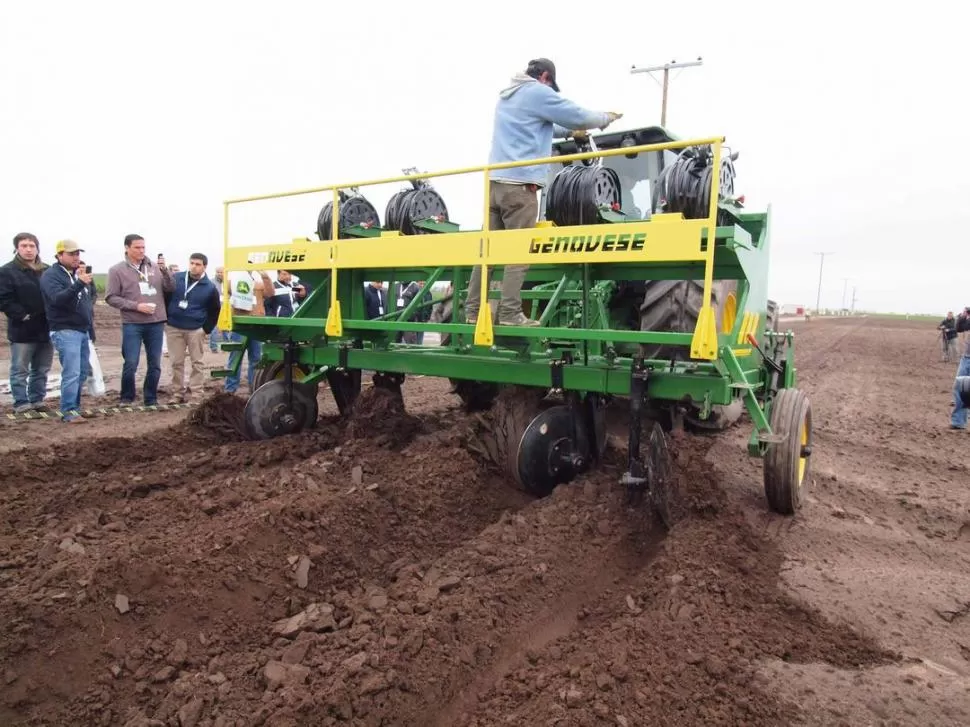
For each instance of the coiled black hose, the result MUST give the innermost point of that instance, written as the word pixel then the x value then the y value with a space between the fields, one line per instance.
pixel 578 192
pixel 411 205
pixel 685 185
pixel 354 210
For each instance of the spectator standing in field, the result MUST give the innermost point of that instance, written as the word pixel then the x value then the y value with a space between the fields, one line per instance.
pixel 375 299
pixel 958 418
pixel 67 301
pixel 422 315
pixel 193 310
pixel 948 328
pixel 136 287
pixel 246 297
pixel 287 295
pixel 21 300
pixel 963 325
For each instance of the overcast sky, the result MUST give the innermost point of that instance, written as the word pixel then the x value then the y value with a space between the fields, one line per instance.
pixel 142 117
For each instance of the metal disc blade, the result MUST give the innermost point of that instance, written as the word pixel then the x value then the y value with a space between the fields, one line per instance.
pixel 270 412
pixel 544 454
pixel 659 474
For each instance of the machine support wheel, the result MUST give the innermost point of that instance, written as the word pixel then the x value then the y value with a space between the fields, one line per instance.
pixel 788 459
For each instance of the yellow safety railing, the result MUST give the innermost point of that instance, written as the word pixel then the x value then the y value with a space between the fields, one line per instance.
pixel 678 241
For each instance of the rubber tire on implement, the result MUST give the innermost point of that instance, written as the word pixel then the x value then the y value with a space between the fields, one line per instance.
pixel 275 372
pixel 787 463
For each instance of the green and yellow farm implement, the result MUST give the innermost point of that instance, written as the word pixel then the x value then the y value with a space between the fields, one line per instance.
pixel 646 273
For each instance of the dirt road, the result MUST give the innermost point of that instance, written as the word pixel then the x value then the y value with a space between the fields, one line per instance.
pixel 155 572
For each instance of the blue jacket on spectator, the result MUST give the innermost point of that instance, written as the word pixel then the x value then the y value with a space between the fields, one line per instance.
pixel 284 302
pixel 67 301
pixel 202 304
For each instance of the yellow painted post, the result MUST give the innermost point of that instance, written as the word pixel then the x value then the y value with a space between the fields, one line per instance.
pixel 484 335
pixel 704 342
pixel 335 325
pixel 225 313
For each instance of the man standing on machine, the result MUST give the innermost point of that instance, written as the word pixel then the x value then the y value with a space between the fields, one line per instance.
pixel 528 115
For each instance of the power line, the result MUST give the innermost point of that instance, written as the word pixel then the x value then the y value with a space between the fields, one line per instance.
pixel 666 68
pixel 818 299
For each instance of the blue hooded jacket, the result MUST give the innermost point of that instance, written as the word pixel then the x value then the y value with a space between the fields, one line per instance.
pixel 528 115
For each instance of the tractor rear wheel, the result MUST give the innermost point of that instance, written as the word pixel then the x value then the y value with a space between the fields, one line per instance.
pixel 474 395
pixel 674 306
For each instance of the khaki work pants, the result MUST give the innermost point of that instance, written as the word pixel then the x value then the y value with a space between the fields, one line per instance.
pixel 180 341
pixel 510 207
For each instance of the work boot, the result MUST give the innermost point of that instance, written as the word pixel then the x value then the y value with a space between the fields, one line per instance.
pixel 519 320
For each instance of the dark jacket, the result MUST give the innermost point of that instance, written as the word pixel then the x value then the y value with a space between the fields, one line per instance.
pixel 203 304
pixel 374 300
pixel 23 303
pixel 67 301
pixel 421 314
pixel 281 304
pixel 963 322
pixel 949 326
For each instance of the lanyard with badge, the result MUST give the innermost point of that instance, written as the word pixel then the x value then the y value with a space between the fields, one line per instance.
pixel 184 303
pixel 144 287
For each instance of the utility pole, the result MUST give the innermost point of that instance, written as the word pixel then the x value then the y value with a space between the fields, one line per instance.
pixel 854 298
pixel 818 299
pixel 845 287
pixel 666 68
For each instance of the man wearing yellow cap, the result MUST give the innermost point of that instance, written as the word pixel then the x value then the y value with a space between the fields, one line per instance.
pixel 70 313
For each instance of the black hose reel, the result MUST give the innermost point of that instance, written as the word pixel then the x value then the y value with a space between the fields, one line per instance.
pixel 685 185
pixel 579 193
pixel 355 211
pixel 409 206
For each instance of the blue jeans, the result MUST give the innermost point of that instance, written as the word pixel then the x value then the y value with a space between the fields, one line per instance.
pixel 254 350
pixel 133 335
pixel 29 365
pixel 959 416
pixel 215 338
pixel 72 348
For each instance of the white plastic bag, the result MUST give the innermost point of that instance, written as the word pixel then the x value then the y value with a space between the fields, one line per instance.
pixel 95 382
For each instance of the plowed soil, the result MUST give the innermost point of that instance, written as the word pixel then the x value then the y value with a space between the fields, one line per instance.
pixel 157 569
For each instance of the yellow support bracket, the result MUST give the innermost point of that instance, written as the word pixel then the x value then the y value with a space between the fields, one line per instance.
pixel 704 343
pixel 335 324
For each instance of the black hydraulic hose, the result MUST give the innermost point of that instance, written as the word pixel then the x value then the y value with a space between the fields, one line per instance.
pixel 685 185
pixel 354 210
pixel 408 206
pixel 578 192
